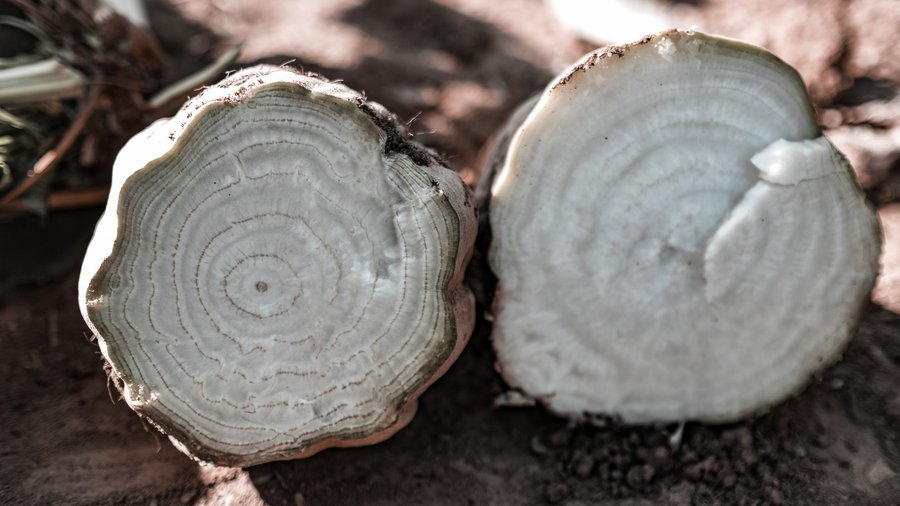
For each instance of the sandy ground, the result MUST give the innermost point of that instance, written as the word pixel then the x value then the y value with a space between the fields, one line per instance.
pixel 456 69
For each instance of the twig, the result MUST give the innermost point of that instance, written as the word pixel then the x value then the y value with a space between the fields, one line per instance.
pixel 51 159
pixel 72 199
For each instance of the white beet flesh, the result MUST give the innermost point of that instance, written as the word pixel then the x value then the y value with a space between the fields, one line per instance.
pixel 272 277
pixel 673 237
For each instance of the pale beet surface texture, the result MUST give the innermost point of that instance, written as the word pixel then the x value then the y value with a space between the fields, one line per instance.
pixel 270 278
pixel 672 237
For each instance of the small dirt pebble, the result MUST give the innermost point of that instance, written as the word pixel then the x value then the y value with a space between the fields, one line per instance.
pixel 538 447
pixel 583 465
pixel 775 497
pixel 556 493
pixel 639 477
pixel 560 438
pixel 660 458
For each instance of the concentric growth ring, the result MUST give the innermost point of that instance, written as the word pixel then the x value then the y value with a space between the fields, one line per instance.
pixel 283 282
pixel 673 237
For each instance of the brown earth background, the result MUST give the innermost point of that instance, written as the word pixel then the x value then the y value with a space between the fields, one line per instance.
pixel 455 69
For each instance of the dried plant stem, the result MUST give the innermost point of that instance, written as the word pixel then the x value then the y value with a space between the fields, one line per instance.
pixel 72 199
pixel 51 159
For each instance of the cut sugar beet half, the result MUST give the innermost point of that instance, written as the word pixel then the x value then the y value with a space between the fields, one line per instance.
pixel 278 270
pixel 673 237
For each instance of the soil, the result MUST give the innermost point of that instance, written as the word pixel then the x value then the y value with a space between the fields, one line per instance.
pixel 455 69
